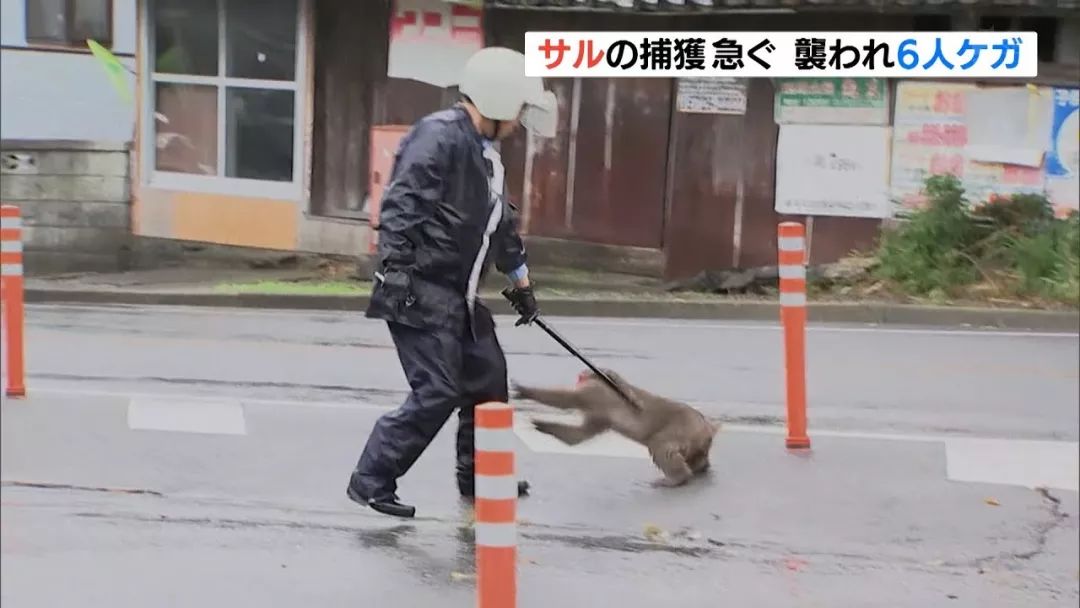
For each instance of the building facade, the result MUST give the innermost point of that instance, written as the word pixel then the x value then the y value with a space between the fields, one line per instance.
pixel 272 123
pixel 52 87
pixel 65 131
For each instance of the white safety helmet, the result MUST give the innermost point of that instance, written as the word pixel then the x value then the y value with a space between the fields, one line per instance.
pixel 494 80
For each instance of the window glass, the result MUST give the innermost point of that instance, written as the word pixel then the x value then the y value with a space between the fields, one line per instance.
pixel 91 19
pixel 46 21
pixel 186 121
pixel 186 37
pixel 259 134
pixel 260 37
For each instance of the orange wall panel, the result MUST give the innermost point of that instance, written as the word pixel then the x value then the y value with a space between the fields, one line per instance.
pixel 234 220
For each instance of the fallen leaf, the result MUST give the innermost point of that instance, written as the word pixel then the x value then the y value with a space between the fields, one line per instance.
pixel 654 533
pixel 461 576
pixel 992 502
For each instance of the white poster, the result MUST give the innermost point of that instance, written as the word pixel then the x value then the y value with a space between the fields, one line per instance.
pixel 712 95
pixel 430 40
pixel 833 170
pixel 931 137
pixel 1008 125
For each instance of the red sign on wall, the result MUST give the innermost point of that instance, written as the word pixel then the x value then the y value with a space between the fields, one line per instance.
pixel 430 40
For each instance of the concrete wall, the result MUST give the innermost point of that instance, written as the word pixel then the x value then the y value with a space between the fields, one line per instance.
pixel 49 94
pixel 74 200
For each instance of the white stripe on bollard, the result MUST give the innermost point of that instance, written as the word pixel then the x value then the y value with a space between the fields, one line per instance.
pixel 11 270
pixel 500 487
pixel 495 440
pixel 792 299
pixel 496 535
pixel 790 243
pixel 793 272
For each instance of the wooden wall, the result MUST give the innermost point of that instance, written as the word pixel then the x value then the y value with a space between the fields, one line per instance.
pixel 623 169
pixel 352 93
pixel 700 187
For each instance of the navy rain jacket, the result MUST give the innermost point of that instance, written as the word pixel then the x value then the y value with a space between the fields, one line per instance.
pixel 441 223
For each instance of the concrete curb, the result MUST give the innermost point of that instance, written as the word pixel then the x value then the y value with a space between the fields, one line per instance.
pixel 822 312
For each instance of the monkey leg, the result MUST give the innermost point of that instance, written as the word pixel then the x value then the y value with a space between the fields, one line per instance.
pixel 669 459
pixel 568 433
pixel 558 398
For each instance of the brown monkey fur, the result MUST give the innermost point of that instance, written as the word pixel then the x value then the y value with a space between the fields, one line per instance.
pixel 677 436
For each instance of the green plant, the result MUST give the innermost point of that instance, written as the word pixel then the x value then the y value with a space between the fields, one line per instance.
pixel 1047 262
pixel 935 249
pixel 1019 213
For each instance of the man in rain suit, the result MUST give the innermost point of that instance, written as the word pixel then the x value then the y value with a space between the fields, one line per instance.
pixel 443 220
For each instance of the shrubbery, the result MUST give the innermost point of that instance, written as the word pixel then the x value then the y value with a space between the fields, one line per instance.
pixel 1013 247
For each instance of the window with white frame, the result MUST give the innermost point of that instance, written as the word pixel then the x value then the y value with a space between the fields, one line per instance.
pixel 224 91
pixel 69 22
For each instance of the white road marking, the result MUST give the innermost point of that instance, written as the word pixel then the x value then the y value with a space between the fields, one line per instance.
pixel 608 444
pixel 220 417
pixel 64 390
pixel 810 327
pixel 779 430
pixel 1031 464
pixel 590 321
pixel 1026 463
pixel 1022 462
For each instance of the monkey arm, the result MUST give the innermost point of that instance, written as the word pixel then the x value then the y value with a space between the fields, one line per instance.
pixel 562 399
pixel 568 433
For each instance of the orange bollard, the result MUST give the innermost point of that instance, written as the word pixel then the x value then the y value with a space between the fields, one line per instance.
pixel 11 298
pixel 496 507
pixel 791 245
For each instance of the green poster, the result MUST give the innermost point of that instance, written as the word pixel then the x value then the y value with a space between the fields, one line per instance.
pixel 832 100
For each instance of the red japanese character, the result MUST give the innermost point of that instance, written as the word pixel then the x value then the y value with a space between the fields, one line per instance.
pixel 559 50
pixel 955 135
pixel 466 24
pixel 947 163
pixel 428 19
pixel 398 23
pixel 585 52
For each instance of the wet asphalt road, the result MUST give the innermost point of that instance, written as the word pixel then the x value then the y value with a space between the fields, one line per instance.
pixel 259 517
pixel 859 378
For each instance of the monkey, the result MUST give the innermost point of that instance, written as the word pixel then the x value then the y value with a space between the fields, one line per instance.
pixel 677 436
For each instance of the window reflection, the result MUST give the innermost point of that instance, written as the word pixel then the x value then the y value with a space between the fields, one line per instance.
pixel 259 140
pixel 261 39
pixel 186 37
pixel 186 128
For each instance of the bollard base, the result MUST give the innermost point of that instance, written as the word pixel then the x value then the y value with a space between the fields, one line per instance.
pixel 798 443
pixel 15 392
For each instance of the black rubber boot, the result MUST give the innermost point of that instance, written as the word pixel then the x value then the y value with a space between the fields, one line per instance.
pixel 389 505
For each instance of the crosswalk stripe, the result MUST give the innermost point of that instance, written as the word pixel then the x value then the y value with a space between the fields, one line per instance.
pixel 223 417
